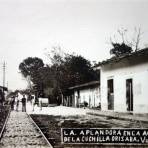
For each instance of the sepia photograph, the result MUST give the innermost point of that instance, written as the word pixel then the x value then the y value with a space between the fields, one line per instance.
pixel 73 73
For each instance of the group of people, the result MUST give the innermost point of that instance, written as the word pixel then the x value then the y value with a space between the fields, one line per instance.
pixel 15 101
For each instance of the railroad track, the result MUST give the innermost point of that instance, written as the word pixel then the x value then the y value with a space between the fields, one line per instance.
pixel 4 125
pixel 56 143
pixel 21 131
pixel 41 129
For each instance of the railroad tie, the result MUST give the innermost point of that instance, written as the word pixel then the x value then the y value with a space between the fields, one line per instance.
pixel 21 132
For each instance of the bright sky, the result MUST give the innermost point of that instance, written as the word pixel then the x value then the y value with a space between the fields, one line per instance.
pixel 27 27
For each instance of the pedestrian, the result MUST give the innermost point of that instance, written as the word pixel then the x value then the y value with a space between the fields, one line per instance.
pixel 33 103
pixel 23 104
pixel 12 102
pixel 17 103
pixel 40 103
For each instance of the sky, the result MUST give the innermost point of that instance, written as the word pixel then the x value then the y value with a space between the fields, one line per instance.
pixel 30 28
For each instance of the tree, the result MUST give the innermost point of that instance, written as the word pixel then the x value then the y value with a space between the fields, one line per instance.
pixel 136 41
pixel 70 70
pixel 79 70
pixel 65 70
pixel 31 68
pixel 126 46
pixel 120 49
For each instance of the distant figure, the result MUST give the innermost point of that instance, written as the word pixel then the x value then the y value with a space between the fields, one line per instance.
pixel 40 103
pixel 12 102
pixel 33 103
pixel 17 103
pixel 99 107
pixel 23 104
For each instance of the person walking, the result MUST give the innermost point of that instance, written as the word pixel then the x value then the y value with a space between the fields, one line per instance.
pixel 33 103
pixel 17 103
pixel 23 104
pixel 12 102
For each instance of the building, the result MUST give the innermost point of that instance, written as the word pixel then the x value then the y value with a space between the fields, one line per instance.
pixel 124 83
pixel 87 94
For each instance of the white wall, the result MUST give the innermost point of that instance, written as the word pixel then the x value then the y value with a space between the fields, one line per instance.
pixel 120 72
pixel 90 95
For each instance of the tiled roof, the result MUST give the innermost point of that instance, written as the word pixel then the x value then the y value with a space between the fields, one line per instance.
pixel 142 52
pixel 85 85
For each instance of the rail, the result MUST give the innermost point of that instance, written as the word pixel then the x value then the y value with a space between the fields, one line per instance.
pixel 4 125
pixel 40 131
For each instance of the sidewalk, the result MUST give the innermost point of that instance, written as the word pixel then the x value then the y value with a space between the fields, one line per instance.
pixel 118 115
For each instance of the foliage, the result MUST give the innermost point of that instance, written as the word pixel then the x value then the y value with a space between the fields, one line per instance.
pixel 78 70
pixel 125 45
pixel 65 71
pixel 12 94
pixel 30 66
pixel 31 70
pixel 70 70
pixel 120 49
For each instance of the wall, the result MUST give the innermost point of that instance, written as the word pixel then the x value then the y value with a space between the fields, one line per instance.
pixel 90 95
pixel 137 69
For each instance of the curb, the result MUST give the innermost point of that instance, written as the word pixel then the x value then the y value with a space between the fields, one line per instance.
pixel 118 116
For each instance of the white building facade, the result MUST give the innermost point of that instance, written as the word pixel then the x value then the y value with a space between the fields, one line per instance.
pixel 90 96
pixel 88 93
pixel 124 83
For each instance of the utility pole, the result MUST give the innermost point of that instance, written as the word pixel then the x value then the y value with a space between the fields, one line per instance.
pixel 4 77
pixel 4 73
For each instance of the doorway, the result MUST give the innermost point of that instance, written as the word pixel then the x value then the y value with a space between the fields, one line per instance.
pixel 129 94
pixel 110 94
